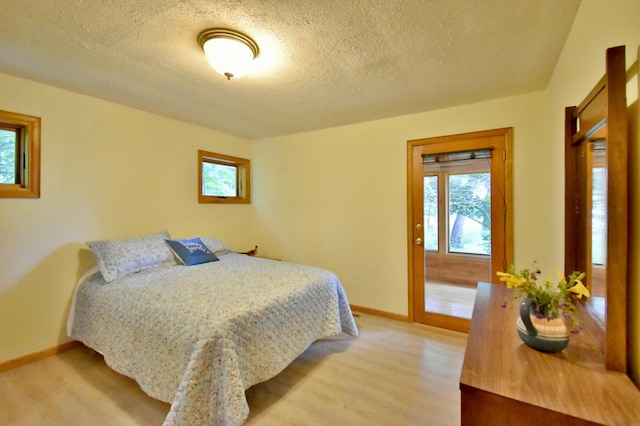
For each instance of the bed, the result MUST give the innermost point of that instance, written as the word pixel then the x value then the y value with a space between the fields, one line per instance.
pixel 198 336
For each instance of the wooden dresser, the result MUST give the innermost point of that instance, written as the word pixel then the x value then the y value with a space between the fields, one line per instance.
pixel 505 382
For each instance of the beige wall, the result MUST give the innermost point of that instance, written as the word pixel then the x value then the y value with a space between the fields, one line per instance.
pixel 108 172
pixel 336 198
pixel 598 26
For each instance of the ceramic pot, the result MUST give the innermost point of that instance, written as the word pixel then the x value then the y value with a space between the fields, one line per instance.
pixel 543 334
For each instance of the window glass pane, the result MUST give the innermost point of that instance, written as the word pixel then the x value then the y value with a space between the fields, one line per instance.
pixel 219 180
pixel 8 147
pixel 431 213
pixel 598 217
pixel 470 213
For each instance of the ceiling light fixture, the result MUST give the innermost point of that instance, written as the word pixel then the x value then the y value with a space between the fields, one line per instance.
pixel 229 52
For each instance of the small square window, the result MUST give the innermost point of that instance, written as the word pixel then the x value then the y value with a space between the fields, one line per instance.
pixel 19 155
pixel 223 178
pixel 9 155
pixel 219 180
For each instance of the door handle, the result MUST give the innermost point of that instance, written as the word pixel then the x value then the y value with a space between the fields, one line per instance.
pixel 419 241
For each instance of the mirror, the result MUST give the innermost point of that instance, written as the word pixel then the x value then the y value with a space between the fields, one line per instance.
pixel 597 190
pixel 596 200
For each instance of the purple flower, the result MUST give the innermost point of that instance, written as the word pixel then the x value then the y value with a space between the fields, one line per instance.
pixel 566 315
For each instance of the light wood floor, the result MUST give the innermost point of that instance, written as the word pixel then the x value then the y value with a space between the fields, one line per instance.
pixel 394 374
pixel 449 299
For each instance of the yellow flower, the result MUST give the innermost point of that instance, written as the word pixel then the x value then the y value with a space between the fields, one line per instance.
pixel 510 280
pixel 551 298
pixel 580 290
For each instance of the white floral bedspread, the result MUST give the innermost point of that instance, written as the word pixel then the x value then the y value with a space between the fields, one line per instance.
pixel 199 336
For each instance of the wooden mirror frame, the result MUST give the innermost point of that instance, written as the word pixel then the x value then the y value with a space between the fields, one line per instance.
pixel 602 115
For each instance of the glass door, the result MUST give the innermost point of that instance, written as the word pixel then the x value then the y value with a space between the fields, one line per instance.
pixel 460 222
pixel 457 230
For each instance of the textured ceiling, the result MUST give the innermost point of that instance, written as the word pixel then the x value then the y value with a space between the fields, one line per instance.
pixel 322 63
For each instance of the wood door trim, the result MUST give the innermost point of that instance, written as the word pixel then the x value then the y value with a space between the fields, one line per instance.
pixel 464 141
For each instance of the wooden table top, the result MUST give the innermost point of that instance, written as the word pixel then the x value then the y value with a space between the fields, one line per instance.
pixel 573 382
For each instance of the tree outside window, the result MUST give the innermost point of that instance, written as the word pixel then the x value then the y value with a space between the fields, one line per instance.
pixel 8 156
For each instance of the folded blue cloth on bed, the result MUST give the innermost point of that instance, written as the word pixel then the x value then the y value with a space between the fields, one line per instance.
pixel 192 251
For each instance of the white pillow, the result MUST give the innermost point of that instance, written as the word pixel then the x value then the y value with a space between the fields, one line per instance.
pixel 216 246
pixel 119 258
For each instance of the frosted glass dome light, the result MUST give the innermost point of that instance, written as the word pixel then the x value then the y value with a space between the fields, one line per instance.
pixel 228 52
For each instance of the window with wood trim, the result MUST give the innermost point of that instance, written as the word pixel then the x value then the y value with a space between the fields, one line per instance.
pixel 223 178
pixel 19 155
pixel 457 203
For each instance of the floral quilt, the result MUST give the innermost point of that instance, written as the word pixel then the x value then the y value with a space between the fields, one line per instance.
pixel 199 336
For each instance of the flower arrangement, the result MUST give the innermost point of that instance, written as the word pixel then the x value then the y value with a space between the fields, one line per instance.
pixel 549 299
